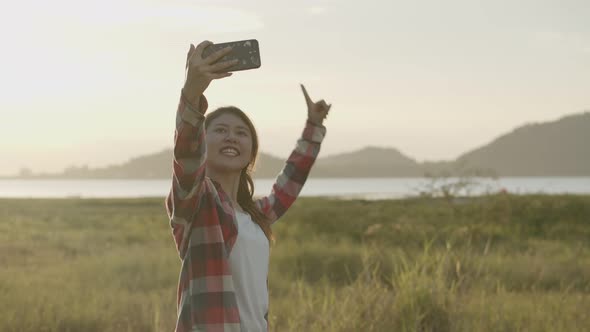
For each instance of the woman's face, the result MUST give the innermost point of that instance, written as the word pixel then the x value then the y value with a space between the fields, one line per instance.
pixel 229 143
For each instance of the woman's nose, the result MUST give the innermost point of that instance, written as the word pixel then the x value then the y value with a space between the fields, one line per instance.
pixel 230 137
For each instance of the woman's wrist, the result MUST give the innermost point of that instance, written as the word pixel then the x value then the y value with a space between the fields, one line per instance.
pixel 315 123
pixel 197 103
pixel 191 98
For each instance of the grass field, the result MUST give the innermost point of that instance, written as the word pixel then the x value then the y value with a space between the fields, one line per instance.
pixel 496 263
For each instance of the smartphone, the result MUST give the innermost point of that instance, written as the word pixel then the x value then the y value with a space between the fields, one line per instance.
pixel 246 51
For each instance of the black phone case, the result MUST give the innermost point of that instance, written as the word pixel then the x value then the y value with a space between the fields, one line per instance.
pixel 246 51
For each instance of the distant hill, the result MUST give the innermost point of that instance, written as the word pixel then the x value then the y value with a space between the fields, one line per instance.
pixel 154 166
pixel 370 161
pixel 558 148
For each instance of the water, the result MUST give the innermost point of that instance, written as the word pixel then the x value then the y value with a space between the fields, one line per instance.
pixel 368 188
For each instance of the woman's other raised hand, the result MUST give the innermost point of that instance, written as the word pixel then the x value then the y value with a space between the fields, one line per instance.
pixel 316 111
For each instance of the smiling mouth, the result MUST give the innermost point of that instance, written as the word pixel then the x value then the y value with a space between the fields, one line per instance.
pixel 230 152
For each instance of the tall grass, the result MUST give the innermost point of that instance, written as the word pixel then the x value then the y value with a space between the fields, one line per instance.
pixel 496 263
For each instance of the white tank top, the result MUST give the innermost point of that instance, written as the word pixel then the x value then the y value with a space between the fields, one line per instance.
pixel 249 265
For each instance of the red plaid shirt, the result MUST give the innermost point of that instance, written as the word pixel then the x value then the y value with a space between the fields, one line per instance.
pixel 203 221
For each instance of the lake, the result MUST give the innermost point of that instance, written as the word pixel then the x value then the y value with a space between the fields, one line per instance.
pixel 368 188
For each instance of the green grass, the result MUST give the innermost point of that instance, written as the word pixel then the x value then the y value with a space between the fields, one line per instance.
pixel 495 263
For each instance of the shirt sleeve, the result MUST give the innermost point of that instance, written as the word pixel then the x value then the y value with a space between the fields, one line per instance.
pixel 291 179
pixel 188 169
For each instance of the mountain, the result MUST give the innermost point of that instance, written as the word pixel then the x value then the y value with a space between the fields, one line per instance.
pixel 558 148
pixel 156 166
pixel 370 161
pixel 268 166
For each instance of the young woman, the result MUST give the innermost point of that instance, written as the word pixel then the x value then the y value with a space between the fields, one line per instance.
pixel 221 232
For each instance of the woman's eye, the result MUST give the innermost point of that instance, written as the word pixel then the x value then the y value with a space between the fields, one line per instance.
pixel 220 130
pixel 242 133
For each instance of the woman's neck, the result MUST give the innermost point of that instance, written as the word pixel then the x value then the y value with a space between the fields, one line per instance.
pixel 229 182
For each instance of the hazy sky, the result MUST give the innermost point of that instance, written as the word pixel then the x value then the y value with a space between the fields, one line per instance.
pixel 97 82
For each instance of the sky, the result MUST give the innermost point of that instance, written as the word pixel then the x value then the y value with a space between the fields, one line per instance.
pixel 97 82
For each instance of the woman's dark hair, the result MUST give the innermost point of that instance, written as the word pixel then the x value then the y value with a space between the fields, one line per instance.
pixel 246 185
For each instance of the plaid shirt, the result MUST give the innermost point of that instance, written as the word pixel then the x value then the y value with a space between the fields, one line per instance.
pixel 203 221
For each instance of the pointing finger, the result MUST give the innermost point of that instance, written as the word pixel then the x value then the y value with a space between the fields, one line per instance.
pixel 307 99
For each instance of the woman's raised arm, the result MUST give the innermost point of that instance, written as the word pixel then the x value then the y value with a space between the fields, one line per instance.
pixel 190 149
pixel 290 181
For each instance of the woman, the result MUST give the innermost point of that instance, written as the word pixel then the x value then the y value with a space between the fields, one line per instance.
pixel 222 234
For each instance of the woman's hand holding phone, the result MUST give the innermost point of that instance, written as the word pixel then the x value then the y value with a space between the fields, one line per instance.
pixel 200 72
